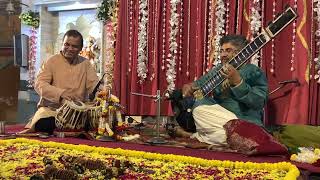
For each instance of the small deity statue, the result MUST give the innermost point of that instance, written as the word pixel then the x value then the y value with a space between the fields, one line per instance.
pixel 91 51
pixel 111 113
pixel 111 124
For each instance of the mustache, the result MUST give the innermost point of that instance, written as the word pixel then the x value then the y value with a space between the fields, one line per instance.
pixel 225 58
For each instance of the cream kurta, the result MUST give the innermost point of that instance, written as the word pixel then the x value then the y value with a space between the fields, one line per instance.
pixel 58 75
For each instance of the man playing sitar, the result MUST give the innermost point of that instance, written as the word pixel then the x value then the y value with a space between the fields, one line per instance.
pixel 233 89
pixel 242 95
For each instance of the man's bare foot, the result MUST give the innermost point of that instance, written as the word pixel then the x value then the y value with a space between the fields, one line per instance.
pixel 26 131
pixel 179 132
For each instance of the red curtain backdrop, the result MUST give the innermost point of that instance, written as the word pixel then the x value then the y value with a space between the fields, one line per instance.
pixel 290 105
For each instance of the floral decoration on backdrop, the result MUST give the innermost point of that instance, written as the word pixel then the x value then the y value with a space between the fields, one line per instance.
pixel 173 46
pixel 105 11
pixel 31 18
pixel 21 158
pixel 142 66
pixel 108 14
pixel 219 28
pixel 316 9
pixel 255 25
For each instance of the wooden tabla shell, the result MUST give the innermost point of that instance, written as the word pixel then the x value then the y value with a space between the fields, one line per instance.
pixel 77 115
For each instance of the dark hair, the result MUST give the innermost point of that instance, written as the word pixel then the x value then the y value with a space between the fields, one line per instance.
pixel 237 40
pixel 74 33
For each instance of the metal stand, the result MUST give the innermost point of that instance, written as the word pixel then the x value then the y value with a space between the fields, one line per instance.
pixel 157 139
pixel 283 83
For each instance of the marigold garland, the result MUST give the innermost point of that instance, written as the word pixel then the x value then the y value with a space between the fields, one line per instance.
pixel 105 11
pixel 144 164
pixel 30 18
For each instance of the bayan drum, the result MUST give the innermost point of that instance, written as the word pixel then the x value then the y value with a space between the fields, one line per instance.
pixel 76 115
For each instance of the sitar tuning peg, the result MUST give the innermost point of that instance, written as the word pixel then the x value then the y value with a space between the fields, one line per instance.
pixel 286 6
pixel 254 35
pixel 278 15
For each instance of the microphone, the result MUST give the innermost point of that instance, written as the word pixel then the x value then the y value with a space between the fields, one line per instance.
pixel 295 81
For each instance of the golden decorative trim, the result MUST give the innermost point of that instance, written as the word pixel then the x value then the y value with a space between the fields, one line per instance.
pixel 245 14
pixel 302 39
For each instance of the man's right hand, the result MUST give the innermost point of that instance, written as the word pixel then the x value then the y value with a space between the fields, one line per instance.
pixel 67 96
pixel 188 89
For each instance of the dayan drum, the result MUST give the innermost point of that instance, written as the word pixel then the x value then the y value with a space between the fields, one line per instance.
pixel 76 115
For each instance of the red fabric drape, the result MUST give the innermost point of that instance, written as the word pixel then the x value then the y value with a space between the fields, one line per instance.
pixel 126 82
pixel 291 104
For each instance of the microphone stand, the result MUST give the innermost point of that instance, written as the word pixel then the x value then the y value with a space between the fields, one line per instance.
pixel 283 83
pixel 157 139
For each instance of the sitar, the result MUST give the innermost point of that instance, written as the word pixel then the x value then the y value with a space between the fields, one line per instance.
pixel 182 106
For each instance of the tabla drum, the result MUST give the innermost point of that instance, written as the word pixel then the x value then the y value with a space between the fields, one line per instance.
pixel 76 115
pixel 93 115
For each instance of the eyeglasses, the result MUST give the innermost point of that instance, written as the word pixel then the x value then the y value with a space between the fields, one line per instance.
pixel 228 50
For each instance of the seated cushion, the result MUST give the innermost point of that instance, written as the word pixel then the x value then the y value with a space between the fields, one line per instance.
pixel 251 139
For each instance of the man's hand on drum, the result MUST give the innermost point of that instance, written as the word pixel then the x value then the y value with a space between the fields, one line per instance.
pixel 67 96
pixel 188 89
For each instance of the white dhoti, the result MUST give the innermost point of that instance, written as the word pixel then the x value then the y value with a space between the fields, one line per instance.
pixel 42 112
pixel 209 121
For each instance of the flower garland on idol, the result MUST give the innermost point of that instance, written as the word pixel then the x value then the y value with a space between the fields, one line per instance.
pixel 219 29
pixel 111 125
pixel 255 25
pixel 173 45
pixel 142 68
pixel 32 19
pixel 316 9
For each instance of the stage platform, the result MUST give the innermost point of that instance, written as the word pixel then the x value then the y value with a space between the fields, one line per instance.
pixel 307 170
